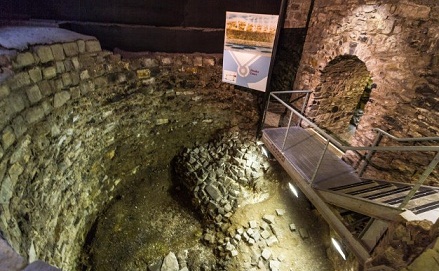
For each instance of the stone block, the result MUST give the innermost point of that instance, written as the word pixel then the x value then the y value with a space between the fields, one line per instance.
pixel 70 49
pixel 155 266
pixel 84 75
pixel 208 62
pixel 75 78
pixel 6 190
pixel 35 74
pixel 66 79
pixel 68 65
pixel 34 94
pixel 213 192
pixel 19 126
pixel 143 73
pixel 15 103
pixel 274 265
pixel 265 234
pixel 47 107
pixel 23 60
pixel 92 46
pixel 49 72
pixel 75 63
pixel 86 86
pixel 280 212
pixel 81 46
pixel 253 224
pixel 19 80
pixel 45 88
pixel 292 227
pixel 8 137
pixel 4 91
pixel 170 263
pixel 34 114
pixel 268 218
pixel 198 61
pixel 266 254
pixel 271 241
pixel 303 233
pixel 21 152
pixel 75 92
pixel 57 84
pixel 44 53
pixel 60 98
pixel 57 52
pixel 413 11
pixel 166 61
pixel 60 68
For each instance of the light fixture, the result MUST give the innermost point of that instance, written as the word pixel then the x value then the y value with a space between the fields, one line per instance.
pixel 264 151
pixel 338 248
pixel 294 190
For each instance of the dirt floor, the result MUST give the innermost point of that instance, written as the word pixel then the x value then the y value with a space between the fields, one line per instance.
pixel 155 217
pixel 295 252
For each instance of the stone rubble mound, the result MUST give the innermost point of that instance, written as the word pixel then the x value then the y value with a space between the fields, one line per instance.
pixel 219 174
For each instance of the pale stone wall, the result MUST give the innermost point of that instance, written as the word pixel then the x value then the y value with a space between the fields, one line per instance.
pixel 76 120
pixel 397 41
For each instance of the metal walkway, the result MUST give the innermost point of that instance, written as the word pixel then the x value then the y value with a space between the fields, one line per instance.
pixel 309 156
pixel 339 184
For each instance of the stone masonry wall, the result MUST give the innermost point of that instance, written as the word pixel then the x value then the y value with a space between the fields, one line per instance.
pixel 75 121
pixel 297 13
pixel 397 41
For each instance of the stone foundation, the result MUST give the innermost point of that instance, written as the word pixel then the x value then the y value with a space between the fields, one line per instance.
pixel 71 113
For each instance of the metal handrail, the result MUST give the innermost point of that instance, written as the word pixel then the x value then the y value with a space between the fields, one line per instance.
pixel 406 139
pixel 344 148
pixel 372 149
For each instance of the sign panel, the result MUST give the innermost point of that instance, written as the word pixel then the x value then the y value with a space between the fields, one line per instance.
pixel 248 45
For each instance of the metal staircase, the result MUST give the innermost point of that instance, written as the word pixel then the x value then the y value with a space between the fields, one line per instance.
pixel 310 157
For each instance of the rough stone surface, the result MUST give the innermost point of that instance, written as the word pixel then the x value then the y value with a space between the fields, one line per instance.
pixel 23 60
pixel 170 263
pixel 61 98
pixel 57 127
pixel 392 43
pixel 44 54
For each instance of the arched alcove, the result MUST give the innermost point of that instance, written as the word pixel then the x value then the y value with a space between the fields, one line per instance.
pixel 341 93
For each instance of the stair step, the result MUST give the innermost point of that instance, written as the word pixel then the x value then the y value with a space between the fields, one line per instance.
pixel 418 194
pixel 389 192
pixel 370 189
pixel 337 188
pixel 425 208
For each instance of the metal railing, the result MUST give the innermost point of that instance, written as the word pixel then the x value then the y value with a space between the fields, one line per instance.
pixel 371 150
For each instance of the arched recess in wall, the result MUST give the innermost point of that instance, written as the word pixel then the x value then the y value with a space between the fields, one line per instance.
pixel 339 99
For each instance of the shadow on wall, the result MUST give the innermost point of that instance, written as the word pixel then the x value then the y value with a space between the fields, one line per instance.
pixel 341 97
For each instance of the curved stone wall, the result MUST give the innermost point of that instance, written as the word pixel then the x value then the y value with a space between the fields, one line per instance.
pixel 397 41
pixel 70 114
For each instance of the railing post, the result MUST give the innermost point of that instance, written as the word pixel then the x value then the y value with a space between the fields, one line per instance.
pixel 421 180
pixel 288 129
pixel 264 115
pixel 365 163
pixel 302 111
pixel 319 162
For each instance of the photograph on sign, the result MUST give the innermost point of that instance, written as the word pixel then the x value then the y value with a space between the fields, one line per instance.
pixel 248 46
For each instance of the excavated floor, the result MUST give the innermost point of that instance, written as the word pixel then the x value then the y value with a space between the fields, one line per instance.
pixel 155 217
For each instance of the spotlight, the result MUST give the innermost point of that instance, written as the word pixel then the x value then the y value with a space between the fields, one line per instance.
pixel 338 248
pixel 294 190
pixel 264 151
